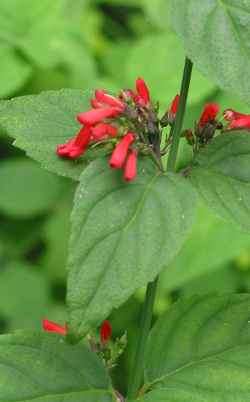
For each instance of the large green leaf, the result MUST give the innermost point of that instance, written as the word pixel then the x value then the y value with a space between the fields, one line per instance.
pixel 205 251
pixel 199 351
pixel 26 189
pixel 40 367
pixel 206 29
pixel 40 122
pixel 222 176
pixel 123 235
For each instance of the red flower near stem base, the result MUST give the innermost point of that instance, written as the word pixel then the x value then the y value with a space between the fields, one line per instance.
pixel 95 116
pixel 143 91
pixel 105 332
pixel 130 169
pixel 120 152
pixel 209 114
pixel 51 326
pixel 240 123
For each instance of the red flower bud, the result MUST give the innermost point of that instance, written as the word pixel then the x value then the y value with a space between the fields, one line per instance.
pixel 105 332
pixel 50 326
pixel 142 90
pixel 243 122
pixel 209 114
pixel 230 114
pixel 174 106
pixel 95 116
pixel 103 131
pixel 130 170
pixel 76 146
pixel 109 100
pixel 120 152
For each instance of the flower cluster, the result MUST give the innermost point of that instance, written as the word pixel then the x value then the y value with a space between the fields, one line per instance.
pixel 127 122
pixel 209 122
pixel 128 125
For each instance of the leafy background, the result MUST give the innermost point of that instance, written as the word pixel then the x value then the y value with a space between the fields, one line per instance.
pixel 87 44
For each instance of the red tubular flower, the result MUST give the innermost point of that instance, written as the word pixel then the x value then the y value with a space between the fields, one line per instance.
pixel 95 116
pixel 76 146
pixel 209 114
pixel 142 90
pixel 230 114
pixel 105 332
pixel 51 326
pixel 104 97
pixel 103 131
pixel 243 122
pixel 130 170
pixel 119 154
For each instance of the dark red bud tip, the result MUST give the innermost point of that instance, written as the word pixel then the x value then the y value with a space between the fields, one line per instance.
pixel 174 105
pixel 209 114
pixel 119 154
pixel 50 326
pixel 130 170
pixel 105 332
pixel 143 90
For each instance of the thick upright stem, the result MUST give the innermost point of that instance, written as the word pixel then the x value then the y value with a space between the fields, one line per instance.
pixel 180 115
pixel 145 324
pixel 147 310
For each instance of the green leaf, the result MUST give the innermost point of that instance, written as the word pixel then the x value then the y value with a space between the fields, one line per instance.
pixel 222 177
pixel 40 122
pixel 199 351
pixel 205 27
pixel 14 71
pixel 158 12
pixel 42 367
pixel 123 235
pixel 163 76
pixel 24 295
pixel 205 251
pixel 26 189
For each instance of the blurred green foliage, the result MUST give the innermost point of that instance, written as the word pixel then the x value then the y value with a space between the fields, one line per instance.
pixel 86 44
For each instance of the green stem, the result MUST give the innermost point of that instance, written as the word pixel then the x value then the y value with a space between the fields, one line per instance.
pixel 180 115
pixel 146 319
pixel 147 310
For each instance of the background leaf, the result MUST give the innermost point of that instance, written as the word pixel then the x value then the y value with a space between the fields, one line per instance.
pixel 41 367
pixel 221 175
pixel 205 28
pixel 26 189
pixel 199 350
pixel 122 236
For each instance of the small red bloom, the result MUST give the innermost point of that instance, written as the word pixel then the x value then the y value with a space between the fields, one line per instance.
pixel 104 97
pixel 130 169
pixel 105 332
pixel 209 114
pixel 119 154
pixel 230 114
pixel 243 122
pixel 174 105
pixel 142 90
pixel 51 326
pixel 76 146
pixel 103 131
pixel 95 116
